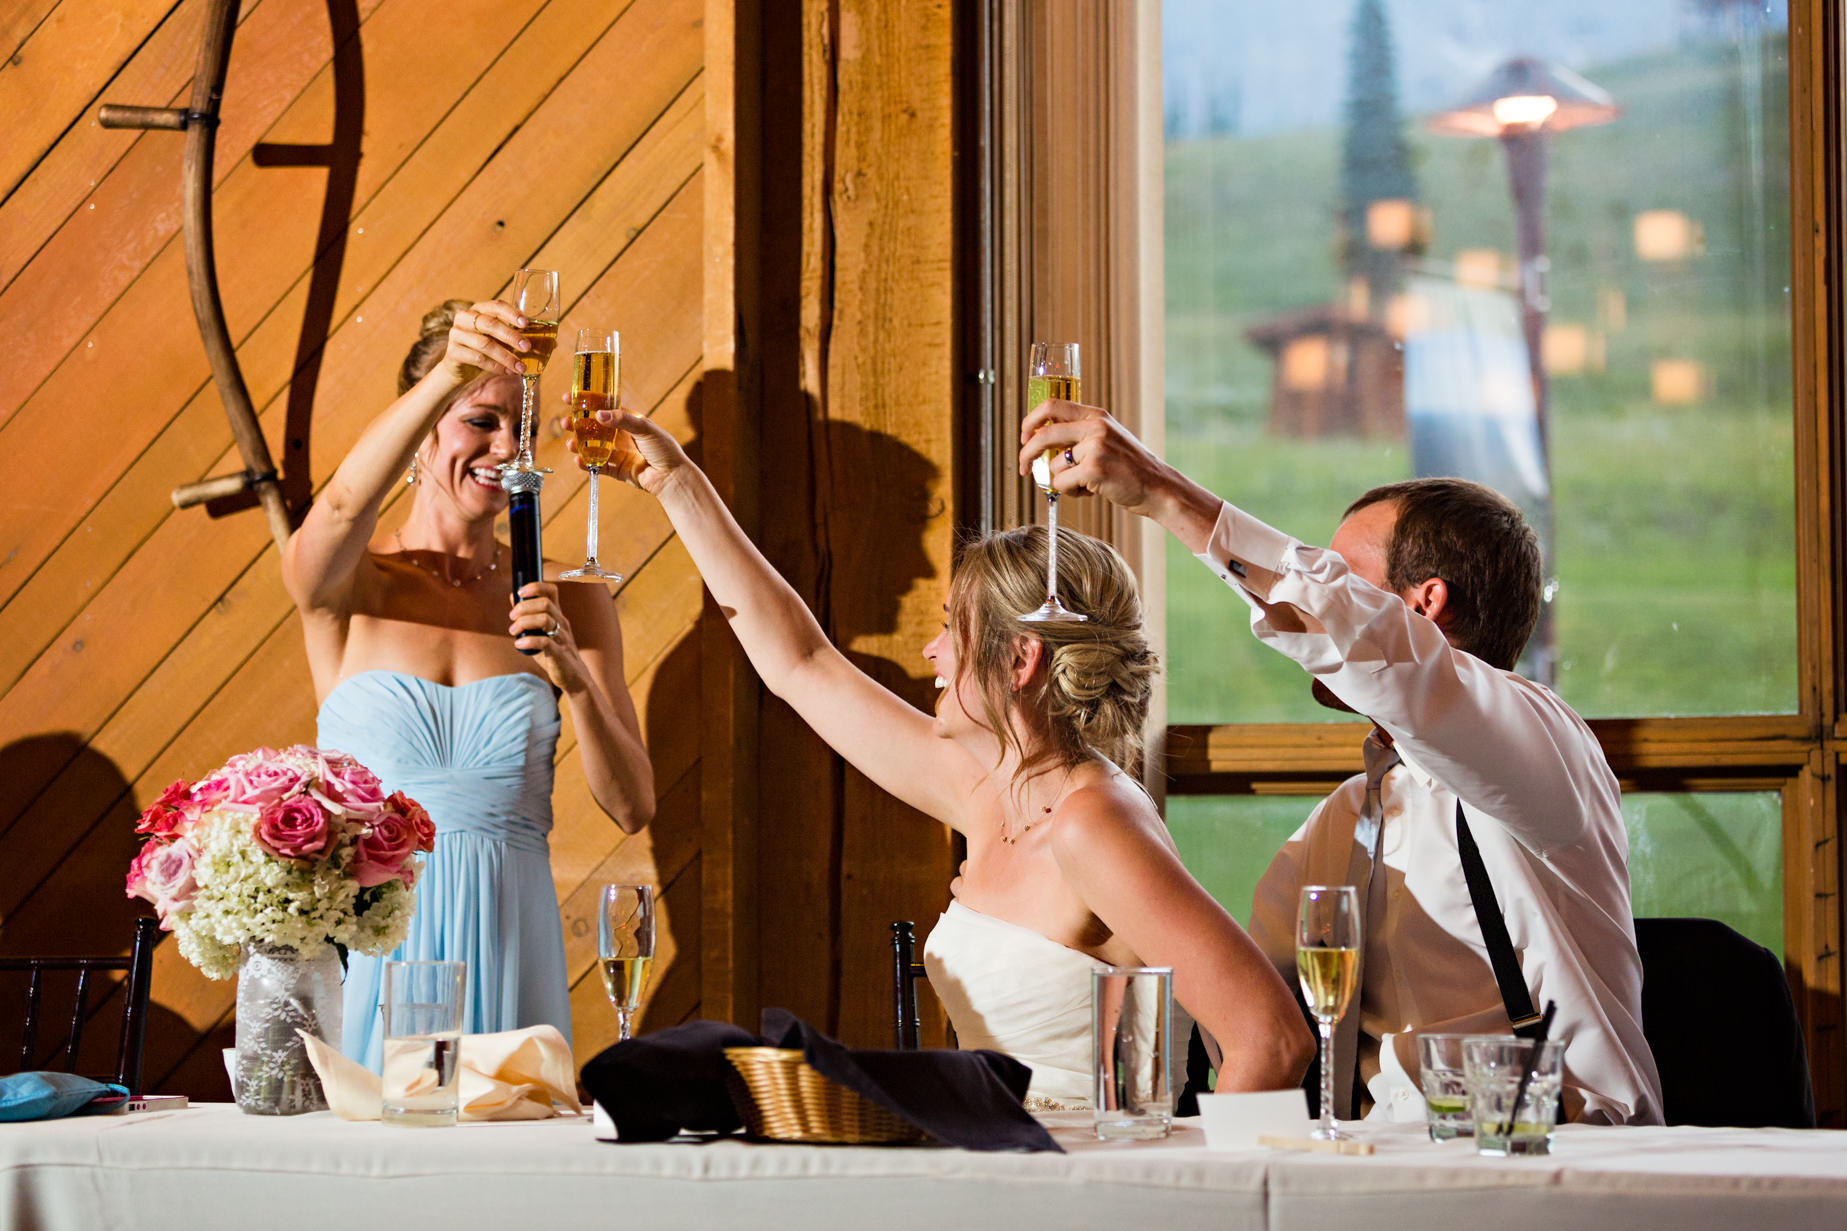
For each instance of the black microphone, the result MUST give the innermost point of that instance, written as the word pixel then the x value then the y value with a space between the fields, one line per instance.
pixel 522 487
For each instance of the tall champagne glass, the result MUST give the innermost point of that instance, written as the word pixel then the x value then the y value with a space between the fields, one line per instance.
pixel 625 947
pixel 1052 372
pixel 596 380
pixel 1327 958
pixel 535 295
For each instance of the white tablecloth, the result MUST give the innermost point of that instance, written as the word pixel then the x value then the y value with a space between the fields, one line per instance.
pixel 211 1167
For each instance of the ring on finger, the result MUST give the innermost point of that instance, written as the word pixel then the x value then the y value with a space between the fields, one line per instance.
pixel 553 630
pixel 1070 459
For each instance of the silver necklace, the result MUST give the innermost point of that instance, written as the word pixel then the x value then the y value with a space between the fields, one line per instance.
pixel 493 564
pixel 1009 837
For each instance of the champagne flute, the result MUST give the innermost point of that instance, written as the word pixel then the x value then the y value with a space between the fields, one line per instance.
pixel 625 947
pixel 596 379
pixel 1327 959
pixel 535 295
pixel 1052 372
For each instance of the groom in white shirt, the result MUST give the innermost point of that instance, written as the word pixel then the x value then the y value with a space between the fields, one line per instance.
pixel 1413 616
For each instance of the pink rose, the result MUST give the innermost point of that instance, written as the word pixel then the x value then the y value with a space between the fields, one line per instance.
pixel 295 828
pixel 210 792
pixel 263 783
pixel 384 850
pixel 162 824
pixel 162 874
pixel 175 796
pixel 416 818
pixel 171 815
pixel 348 783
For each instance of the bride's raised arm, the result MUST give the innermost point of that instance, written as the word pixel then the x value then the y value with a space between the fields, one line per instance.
pixel 884 737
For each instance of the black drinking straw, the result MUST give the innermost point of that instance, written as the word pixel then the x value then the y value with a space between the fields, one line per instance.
pixel 1526 1071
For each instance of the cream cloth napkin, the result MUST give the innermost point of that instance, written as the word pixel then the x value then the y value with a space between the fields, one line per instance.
pixel 512 1075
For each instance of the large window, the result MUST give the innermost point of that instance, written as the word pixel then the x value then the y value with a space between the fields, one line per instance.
pixel 1547 247
pixel 1615 297
pixel 1347 302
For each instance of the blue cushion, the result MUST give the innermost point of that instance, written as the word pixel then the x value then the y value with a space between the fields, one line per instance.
pixel 46 1096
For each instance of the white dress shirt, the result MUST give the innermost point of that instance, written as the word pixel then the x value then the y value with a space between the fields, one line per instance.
pixel 1541 803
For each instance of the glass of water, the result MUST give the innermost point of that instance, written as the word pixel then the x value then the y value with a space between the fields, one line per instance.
pixel 1446 1091
pixel 423 1042
pixel 1132 1013
pixel 1508 1119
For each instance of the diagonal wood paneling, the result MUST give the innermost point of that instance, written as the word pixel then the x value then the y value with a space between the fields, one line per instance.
pixel 760 200
pixel 145 644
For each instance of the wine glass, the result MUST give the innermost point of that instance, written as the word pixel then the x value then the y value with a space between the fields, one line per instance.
pixel 625 947
pixel 1327 958
pixel 1052 372
pixel 535 296
pixel 596 379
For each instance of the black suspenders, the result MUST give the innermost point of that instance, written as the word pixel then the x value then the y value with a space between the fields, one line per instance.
pixel 1514 993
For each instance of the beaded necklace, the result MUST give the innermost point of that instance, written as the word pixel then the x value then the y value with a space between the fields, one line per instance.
pixel 1008 837
pixel 493 565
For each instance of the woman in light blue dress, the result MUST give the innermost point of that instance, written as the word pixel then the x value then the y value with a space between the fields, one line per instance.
pixel 446 686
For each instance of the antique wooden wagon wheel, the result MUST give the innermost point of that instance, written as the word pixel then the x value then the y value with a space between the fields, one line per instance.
pixel 200 123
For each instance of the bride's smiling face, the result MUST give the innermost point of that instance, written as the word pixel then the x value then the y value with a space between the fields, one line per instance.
pixel 959 701
pixel 470 440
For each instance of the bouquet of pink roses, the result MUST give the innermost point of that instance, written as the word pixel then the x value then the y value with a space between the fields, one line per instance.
pixel 297 847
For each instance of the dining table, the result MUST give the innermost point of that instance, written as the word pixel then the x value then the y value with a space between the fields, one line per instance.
pixel 211 1166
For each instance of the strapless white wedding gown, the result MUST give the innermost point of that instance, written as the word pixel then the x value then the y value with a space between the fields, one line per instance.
pixel 1008 988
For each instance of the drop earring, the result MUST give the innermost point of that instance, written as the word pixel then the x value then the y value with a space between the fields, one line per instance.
pixel 410 479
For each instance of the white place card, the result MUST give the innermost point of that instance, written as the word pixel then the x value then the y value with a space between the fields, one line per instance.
pixel 1236 1121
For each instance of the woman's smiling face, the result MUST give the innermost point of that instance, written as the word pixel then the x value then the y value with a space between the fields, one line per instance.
pixel 470 440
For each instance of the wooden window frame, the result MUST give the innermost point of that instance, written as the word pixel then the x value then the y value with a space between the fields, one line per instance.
pixel 1085 278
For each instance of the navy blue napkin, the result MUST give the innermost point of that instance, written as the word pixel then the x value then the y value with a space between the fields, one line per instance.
pixel 970 1099
pixel 673 1081
pixel 668 1082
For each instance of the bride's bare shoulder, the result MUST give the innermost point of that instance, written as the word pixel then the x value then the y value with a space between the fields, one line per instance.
pixel 1110 813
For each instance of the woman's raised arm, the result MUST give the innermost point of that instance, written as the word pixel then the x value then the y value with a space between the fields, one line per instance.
pixel 321 556
pixel 887 739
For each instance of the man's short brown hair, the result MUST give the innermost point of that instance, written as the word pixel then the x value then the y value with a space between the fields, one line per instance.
pixel 1477 542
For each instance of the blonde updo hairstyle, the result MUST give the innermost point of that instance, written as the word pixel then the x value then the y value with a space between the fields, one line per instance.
pixel 1099 674
pixel 432 341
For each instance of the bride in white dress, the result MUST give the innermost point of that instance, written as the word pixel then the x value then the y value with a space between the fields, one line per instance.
pixel 1069 865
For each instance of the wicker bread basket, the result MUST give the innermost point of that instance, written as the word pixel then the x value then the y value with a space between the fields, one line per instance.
pixel 781 1098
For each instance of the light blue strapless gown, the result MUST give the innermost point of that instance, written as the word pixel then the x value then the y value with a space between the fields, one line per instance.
pixel 478 757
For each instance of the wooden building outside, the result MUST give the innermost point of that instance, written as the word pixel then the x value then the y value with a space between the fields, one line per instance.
pixel 1336 373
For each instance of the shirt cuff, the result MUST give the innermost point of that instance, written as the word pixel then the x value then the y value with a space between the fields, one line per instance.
pixel 1244 552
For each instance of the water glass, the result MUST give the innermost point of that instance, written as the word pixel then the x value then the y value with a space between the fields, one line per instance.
pixel 1446 1091
pixel 1492 1066
pixel 423 1042
pixel 1132 1012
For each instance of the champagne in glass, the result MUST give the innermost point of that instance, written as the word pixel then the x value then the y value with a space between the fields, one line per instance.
pixel 1327 959
pixel 543 337
pixel 596 380
pixel 625 948
pixel 1052 372
pixel 535 296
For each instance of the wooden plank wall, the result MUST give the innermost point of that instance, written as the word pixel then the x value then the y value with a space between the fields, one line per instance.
pixel 467 138
pixel 376 156
pixel 861 376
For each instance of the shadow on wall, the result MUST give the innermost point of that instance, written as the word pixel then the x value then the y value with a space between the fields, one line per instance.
pixel 71 901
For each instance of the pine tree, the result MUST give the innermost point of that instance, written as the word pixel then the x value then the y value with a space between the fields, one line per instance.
pixel 1375 161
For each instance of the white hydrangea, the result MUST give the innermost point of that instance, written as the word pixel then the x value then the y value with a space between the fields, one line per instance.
pixel 246 894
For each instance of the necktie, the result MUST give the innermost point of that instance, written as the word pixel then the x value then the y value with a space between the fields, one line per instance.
pixel 1380 757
